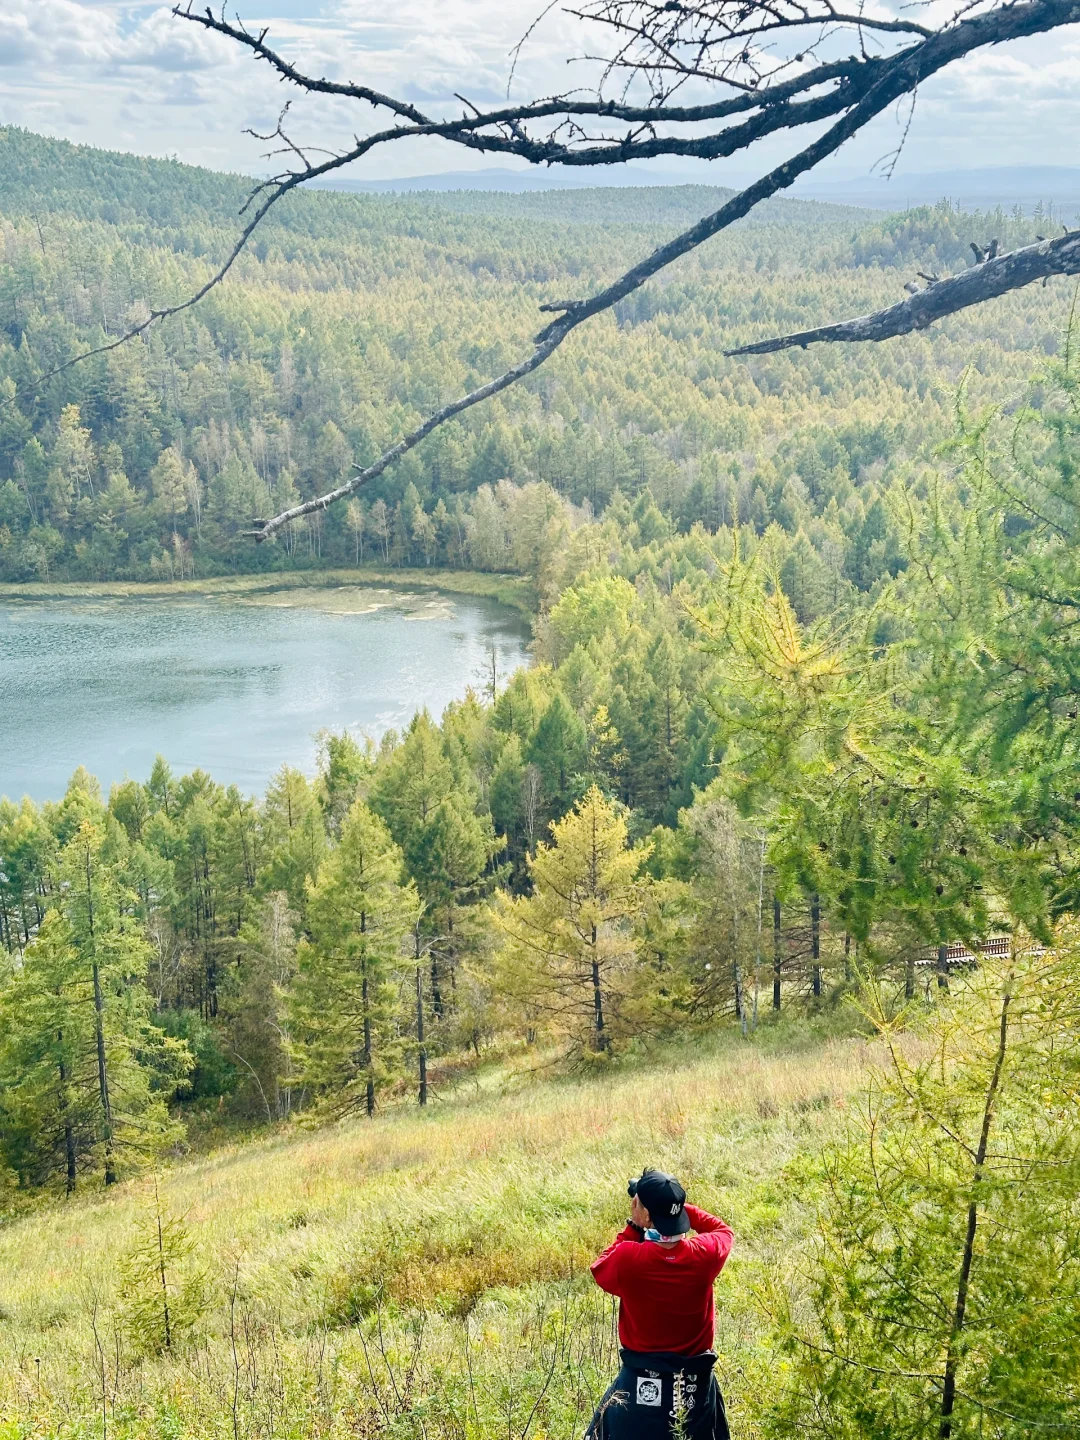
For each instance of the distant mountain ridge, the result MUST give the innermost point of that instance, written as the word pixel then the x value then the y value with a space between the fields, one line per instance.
pixel 164 198
pixel 983 189
pixel 43 175
pixel 1055 187
pixel 39 174
pixel 506 181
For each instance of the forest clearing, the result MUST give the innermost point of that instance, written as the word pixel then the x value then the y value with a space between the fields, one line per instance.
pixel 470 1225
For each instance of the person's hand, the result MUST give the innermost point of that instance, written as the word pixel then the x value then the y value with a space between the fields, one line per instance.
pixel 638 1214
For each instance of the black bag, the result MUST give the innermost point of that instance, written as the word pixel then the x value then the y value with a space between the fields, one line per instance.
pixel 656 1397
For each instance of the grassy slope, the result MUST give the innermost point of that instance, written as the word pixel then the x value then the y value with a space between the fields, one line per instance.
pixel 479 1207
pixel 511 590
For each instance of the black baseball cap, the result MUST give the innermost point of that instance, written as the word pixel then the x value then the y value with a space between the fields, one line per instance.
pixel 665 1200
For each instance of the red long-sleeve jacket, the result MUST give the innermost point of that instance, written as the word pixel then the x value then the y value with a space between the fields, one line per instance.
pixel 666 1291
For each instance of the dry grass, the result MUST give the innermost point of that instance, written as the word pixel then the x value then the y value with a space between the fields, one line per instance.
pixel 487 1208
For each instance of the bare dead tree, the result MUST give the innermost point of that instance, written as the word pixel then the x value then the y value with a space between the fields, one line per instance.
pixel 767 66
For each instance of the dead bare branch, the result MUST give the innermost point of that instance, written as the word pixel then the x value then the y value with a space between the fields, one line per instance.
pixel 984 281
pixel 897 77
pixel 765 89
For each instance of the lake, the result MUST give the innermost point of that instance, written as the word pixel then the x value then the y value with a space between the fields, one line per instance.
pixel 236 685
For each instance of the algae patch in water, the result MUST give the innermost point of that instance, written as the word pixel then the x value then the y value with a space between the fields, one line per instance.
pixel 353 600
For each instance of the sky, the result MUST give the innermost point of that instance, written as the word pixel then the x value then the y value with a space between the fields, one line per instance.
pixel 130 76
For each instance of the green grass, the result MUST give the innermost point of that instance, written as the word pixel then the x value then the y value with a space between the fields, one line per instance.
pixel 511 590
pixel 424 1273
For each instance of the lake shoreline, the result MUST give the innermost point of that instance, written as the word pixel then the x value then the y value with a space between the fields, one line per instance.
pixel 235 682
pixel 513 591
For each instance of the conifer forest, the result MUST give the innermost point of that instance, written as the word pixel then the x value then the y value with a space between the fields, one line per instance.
pixel 315 1103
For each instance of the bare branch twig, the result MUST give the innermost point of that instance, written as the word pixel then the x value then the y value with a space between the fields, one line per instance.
pixel 981 282
pixel 896 77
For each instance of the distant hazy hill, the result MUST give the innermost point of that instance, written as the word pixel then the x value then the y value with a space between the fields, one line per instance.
pixel 40 175
pixel 512 182
pixel 974 189
pixel 675 205
pixel 1027 186
pixel 1051 186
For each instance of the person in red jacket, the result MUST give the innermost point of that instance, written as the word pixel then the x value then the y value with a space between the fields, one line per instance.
pixel 662 1267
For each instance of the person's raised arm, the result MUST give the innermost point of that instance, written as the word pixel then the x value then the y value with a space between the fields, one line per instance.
pixel 719 1233
pixel 702 1222
pixel 605 1268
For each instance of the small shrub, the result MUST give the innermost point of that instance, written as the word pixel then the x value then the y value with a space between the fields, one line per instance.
pixel 165 1294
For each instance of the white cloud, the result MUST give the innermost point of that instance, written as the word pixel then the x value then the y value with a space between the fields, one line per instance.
pixel 162 42
pixel 38 33
pixel 121 71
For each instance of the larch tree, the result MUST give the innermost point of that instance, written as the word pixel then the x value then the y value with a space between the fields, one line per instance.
pixel 256 1012
pixel 136 1066
pixel 429 799
pixel 344 766
pixel 559 750
pixel 87 1074
pixel 945 1278
pixel 28 847
pixel 725 861
pixel 355 516
pixel 293 835
pixel 342 1005
pixel 570 949
pixel 47 1111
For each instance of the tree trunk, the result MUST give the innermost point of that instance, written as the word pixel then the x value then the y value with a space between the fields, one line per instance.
pixel 598 998
pixel 69 1154
pixel 69 1133
pixel 103 1077
pixel 421 1051
pixel 815 941
pixel 99 1037
pixel 436 988
pixel 211 986
pixel 367 1044
pixel 948 1388
pixel 778 958
pixel 164 1283
pixel 943 967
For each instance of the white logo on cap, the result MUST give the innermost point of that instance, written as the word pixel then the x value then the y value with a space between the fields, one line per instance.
pixel 675 1209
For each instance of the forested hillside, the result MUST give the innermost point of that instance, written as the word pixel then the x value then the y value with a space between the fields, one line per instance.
pixel 745 771
pixel 353 315
pixel 797 757
pixel 733 566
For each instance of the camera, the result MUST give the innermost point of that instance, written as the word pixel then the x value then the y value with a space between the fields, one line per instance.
pixel 631 1187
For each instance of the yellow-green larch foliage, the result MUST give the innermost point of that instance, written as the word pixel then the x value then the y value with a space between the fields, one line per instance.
pixel 570 954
